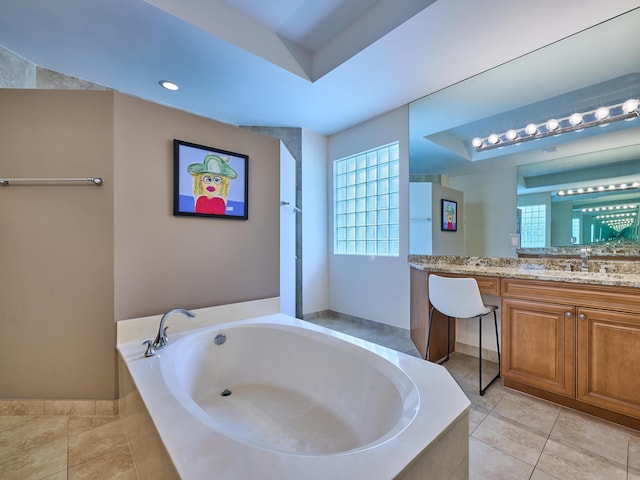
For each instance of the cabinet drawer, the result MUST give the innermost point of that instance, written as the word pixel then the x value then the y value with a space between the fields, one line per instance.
pixel 487 285
pixel 597 296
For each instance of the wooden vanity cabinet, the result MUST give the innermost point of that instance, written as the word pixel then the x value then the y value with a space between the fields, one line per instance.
pixel 609 360
pixel 577 341
pixel 538 345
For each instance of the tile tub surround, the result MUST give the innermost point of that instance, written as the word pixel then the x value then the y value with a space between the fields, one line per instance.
pixel 187 440
pixel 618 273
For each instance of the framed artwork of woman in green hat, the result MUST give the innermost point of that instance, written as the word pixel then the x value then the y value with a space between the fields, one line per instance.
pixel 209 182
pixel 449 210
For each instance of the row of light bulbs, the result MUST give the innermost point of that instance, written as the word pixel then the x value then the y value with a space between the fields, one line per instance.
pixel 600 188
pixel 611 207
pixel 617 215
pixel 575 122
pixel 619 224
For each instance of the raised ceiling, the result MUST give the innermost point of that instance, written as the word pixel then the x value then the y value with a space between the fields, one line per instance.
pixel 320 65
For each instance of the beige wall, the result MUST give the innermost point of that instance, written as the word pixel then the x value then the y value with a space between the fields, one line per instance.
pixel 164 261
pixel 56 247
pixel 74 258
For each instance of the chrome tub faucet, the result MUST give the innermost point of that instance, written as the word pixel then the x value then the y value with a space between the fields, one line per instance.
pixel 162 339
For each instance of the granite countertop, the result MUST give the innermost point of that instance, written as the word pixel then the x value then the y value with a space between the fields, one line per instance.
pixel 614 273
pixel 609 249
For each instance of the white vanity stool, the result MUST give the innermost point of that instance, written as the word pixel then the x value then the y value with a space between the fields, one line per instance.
pixel 460 298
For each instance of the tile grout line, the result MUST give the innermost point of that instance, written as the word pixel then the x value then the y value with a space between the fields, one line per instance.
pixel 545 446
pixel 133 460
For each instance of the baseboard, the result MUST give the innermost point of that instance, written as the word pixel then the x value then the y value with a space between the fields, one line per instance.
pixel 11 407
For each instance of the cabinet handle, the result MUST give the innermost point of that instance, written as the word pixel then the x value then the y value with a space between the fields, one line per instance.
pixel 568 314
pixel 582 316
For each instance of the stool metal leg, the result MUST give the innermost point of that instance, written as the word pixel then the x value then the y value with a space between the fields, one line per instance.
pixel 495 323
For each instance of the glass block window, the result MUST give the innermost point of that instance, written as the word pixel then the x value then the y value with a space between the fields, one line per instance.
pixel 366 203
pixel 575 230
pixel 533 226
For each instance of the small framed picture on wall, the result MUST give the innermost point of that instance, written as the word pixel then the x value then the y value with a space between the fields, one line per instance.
pixel 449 210
pixel 209 182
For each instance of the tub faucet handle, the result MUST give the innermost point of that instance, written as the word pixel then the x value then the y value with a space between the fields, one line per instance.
pixel 150 351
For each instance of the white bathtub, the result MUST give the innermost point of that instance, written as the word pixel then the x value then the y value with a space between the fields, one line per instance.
pixel 282 398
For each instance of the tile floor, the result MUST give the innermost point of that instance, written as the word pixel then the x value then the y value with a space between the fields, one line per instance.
pixel 519 437
pixel 511 435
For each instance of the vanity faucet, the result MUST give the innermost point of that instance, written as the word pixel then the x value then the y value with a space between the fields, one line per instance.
pixel 162 339
pixel 584 255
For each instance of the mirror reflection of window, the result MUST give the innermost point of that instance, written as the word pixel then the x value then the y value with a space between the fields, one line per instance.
pixel 533 226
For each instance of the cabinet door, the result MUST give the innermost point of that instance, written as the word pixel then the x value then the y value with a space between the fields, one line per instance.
pixel 538 345
pixel 609 360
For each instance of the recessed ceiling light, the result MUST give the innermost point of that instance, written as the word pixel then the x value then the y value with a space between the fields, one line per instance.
pixel 169 85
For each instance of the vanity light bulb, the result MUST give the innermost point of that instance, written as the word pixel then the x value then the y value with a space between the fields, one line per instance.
pixel 630 105
pixel 493 139
pixel 590 189
pixel 600 188
pixel 569 192
pixel 552 125
pixel 511 135
pixel 623 186
pixel 476 142
pixel 575 119
pixel 531 129
pixel 635 184
pixel 602 113
pixel 612 187
pixel 561 193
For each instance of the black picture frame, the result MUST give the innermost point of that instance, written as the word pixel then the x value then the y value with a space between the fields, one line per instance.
pixel 449 215
pixel 209 182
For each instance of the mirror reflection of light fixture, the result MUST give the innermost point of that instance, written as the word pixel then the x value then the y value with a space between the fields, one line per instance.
pixel 531 129
pixel 511 135
pixel 601 113
pixel 577 121
pixel 630 206
pixel 630 105
pixel 553 125
pixel 600 188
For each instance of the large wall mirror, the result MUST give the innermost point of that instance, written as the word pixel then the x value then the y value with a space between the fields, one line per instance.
pixel 586 177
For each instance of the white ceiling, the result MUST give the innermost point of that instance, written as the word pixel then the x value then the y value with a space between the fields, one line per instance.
pixel 321 65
